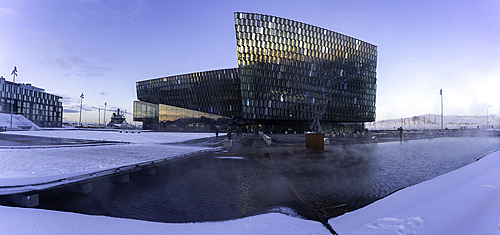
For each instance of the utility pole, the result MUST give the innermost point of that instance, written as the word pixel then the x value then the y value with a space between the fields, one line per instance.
pixel 441 93
pixel 99 120
pixel 81 102
pixel 14 74
pixel 487 121
pixel 104 121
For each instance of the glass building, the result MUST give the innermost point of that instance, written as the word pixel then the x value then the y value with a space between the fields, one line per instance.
pixel 172 118
pixel 40 107
pixel 288 73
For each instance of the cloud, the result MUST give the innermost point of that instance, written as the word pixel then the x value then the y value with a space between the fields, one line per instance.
pixel 67 99
pixel 89 109
pixel 136 7
pixel 127 11
pixel 54 47
pixel 83 66
pixel 133 9
pixel 6 12
pixel 76 108
pixel 90 62
pixel 70 110
pixel 35 33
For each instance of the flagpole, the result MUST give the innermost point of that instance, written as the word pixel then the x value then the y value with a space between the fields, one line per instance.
pixel 14 74
pixel 81 102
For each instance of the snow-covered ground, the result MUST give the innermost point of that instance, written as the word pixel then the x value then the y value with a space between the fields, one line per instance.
pixel 30 166
pixel 115 135
pixel 18 122
pixel 20 167
pixel 433 121
pixel 34 221
pixel 464 201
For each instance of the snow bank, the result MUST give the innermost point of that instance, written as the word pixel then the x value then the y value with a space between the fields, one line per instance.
pixel 18 122
pixel 36 221
pixel 29 166
pixel 136 137
pixel 41 165
pixel 464 201
pixel 32 166
pixel 433 121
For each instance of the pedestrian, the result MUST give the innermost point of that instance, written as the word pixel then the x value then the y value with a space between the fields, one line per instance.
pixel 216 132
pixel 400 129
pixel 229 133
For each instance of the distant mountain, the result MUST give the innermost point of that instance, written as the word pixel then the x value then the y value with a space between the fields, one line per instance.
pixel 433 121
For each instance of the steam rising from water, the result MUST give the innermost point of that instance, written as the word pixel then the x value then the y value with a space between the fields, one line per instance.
pixel 356 175
pixel 339 179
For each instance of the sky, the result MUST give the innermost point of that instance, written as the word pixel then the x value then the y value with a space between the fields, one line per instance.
pixel 102 48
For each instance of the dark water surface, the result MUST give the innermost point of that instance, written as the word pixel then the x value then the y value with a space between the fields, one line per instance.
pixel 214 187
pixel 357 175
pixel 208 188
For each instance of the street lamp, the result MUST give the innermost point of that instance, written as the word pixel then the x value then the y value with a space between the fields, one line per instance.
pixel 99 120
pixel 81 102
pixel 105 103
pixel 14 74
pixel 487 121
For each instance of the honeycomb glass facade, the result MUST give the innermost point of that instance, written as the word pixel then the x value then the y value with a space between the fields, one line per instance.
pixel 288 73
pixel 215 92
pixel 292 70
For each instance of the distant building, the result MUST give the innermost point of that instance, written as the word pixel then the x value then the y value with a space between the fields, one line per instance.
pixel 40 107
pixel 289 73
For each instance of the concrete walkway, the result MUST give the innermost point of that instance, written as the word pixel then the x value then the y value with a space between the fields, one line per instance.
pixel 23 170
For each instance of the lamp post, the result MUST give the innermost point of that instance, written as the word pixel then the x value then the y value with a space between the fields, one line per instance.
pixel 441 93
pixel 81 102
pixel 104 121
pixel 14 74
pixel 487 119
pixel 99 120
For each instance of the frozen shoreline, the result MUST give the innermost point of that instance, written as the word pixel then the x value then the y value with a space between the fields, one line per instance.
pixel 464 201
pixel 115 135
pixel 19 167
